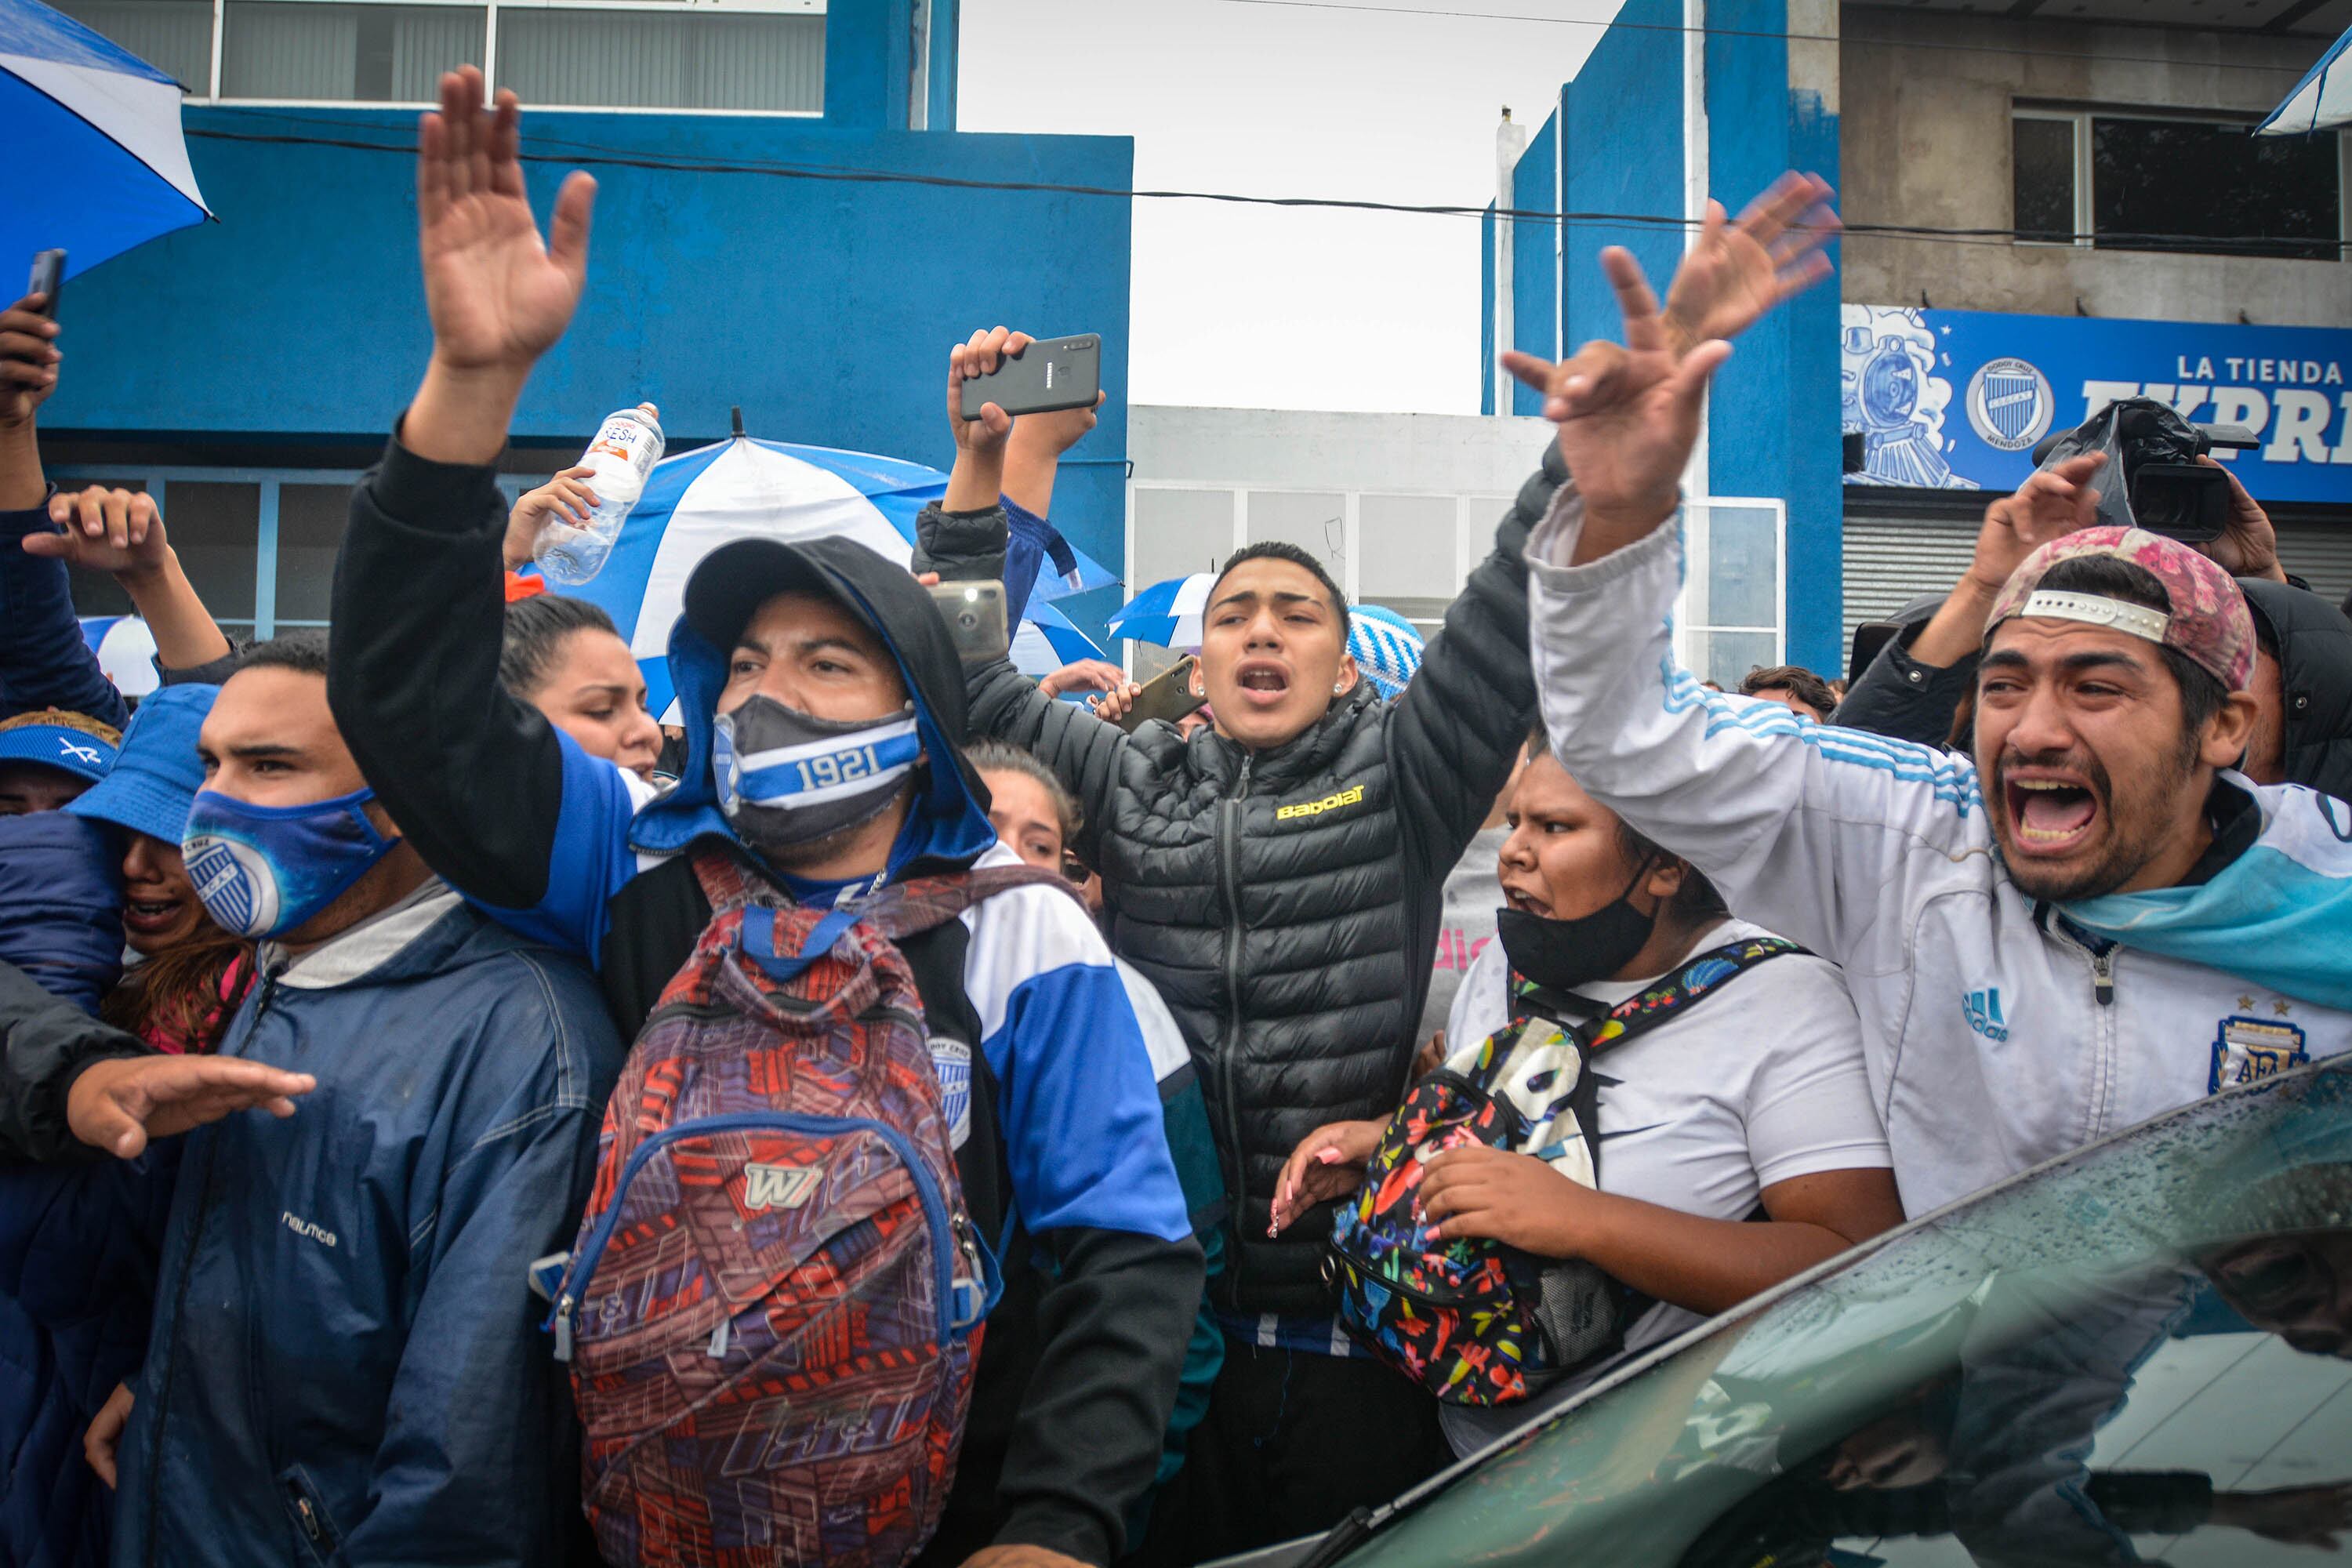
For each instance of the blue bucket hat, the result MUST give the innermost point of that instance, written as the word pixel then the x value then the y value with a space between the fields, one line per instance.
pixel 1387 647
pixel 158 773
pixel 45 736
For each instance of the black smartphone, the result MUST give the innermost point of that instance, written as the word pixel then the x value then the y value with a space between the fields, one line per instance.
pixel 974 613
pixel 1167 696
pixel 1050 373
pixel 50 278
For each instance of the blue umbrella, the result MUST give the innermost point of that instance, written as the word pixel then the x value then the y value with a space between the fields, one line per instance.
pixel 97 164
pixel 1048 640
pixel 2321 99
pixel 748 488
pixel 1168 612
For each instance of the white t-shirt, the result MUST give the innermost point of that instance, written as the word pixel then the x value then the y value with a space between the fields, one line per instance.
pixel 1761 1081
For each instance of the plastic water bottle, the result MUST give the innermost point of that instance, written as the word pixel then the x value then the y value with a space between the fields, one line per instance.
pixel 622 454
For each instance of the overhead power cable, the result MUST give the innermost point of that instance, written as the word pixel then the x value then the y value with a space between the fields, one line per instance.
pixel 545 151
pixel 1798 37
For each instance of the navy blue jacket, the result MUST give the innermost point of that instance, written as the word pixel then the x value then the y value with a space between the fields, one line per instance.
pixel 44 662
pixel 61 905
pixel 344 1365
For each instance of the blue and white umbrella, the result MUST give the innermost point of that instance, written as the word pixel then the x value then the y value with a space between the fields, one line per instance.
pixel 2321 99
pixel 1168 613
pixel 125 650
pixel 97 163
pixel 1046 640
pixel 743 488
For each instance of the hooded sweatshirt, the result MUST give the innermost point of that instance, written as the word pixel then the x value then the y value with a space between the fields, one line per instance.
pixel 2313 641
pixel 1080 1363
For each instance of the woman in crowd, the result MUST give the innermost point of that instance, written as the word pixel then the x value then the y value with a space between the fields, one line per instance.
pixel 188 975
pixel 1749 1104
pixel 563 657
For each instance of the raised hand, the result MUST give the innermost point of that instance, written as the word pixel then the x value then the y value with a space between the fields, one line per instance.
pixel 29 360
pixel 2248 546
pixel 113 531
pixel 564 501
pixel 2050 503
pixel 1628 416
pixel 1738 271
pixel 1084 675
pixel 981 356
pixel 498 297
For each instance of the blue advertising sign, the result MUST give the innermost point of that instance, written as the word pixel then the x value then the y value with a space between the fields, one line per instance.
pixel 1956 399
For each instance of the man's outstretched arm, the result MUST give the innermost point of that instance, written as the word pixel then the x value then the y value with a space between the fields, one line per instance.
pixel 505 808
pixel 1803 827
pixel 1462 720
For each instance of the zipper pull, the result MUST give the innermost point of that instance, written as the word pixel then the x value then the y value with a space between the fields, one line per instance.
pixel 310 1518
pixel 2102 977
pixel 717 1350
pixel 564 1328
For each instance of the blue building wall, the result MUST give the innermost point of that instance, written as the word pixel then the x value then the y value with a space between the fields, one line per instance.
pixel 1535 267
pixel 1774 421
pixel 823 308
pixel 1773 424
pixel 1623 154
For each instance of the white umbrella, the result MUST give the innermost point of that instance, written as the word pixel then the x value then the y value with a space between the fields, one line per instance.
pixel 2321 99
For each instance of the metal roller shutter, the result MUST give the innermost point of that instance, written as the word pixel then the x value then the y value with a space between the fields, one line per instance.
pixel 2321 554
pixel 1889 562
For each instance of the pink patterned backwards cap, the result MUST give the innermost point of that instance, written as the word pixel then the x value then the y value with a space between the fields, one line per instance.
pixel 2207 621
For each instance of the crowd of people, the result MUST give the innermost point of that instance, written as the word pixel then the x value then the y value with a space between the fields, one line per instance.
pixel 409 1050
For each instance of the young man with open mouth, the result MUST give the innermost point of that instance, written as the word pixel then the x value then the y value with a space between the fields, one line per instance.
pixel 2095 923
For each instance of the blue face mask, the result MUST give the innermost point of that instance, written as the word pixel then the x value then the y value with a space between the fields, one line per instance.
pixel 263 871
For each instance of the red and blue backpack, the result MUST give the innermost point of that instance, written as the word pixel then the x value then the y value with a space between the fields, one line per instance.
pixel 1473 1320
pixel 776 1303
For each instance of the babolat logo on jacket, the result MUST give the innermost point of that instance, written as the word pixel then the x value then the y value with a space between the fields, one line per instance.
pixel 1332 802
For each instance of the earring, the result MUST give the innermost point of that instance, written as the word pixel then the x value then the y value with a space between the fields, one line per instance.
pixel 1336 687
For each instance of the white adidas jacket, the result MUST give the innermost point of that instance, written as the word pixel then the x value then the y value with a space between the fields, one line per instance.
pixel 1994 1039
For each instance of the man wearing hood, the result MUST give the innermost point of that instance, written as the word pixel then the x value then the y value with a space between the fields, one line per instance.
pixel 828 651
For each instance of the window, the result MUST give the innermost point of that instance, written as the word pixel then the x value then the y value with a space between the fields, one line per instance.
pixel 2193 186
pixel 1729 620
pixel 258 545
pixel 761 57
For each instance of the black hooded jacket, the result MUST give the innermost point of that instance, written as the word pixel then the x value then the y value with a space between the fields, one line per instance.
pixel 2313 643
pixel 1285 903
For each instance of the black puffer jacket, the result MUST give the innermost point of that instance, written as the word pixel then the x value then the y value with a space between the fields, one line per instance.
pixel 2314 642
pixel 1285 903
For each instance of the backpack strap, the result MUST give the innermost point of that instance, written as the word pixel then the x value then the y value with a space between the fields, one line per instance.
pixel 903 909
pixel 899 910
pixel 1695 980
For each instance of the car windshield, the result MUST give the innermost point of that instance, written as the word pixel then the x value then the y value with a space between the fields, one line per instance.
pixel 2142 1352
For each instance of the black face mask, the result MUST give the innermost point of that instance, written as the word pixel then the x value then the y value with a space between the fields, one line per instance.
pixel 1564 954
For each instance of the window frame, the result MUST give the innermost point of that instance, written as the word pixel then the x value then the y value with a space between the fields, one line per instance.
pixel 2080 120
pixel 1698 544
pixel 210 94
pixel 2085 216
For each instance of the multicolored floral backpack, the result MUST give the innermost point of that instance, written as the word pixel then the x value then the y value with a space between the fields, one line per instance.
pixel 1476 1321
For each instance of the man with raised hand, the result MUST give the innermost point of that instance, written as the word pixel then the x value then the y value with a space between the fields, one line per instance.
pixel 1279 876
pixel 2094 923
pixel 827 651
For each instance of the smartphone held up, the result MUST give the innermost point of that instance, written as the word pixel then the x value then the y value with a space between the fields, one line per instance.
pixel 1049 375
pixel 48 280
pixel 974 613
